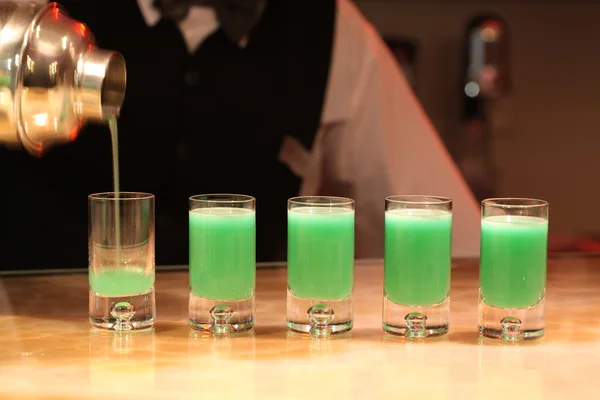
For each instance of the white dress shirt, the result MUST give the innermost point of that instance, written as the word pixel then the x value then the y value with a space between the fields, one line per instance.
pixel 374 141
pixel 376 138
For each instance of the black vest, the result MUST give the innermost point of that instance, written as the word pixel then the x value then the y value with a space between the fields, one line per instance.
pixel 209 122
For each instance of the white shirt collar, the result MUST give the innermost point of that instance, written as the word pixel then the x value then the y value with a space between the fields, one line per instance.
pixel 151 15
pixel 197 25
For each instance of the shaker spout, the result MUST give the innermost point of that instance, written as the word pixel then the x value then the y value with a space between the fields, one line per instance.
pixel 100 86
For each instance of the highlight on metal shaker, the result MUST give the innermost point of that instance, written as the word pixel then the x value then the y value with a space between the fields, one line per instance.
pixel 53 77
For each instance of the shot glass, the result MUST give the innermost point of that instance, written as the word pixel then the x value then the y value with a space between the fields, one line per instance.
pixel 222 263
pixel 320 265
pixel 514 247
pixel 417 262
pixel 121 260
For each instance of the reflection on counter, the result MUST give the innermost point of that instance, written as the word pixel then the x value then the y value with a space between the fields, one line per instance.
pixel 121 361
pixel 223 365
pixel 50 351
pixel 521 365
pixel 414 359
pixel 319 367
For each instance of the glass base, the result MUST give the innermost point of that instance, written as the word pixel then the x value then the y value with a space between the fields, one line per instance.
pixel 221 317
pixel 512 324
pixel 319 317
pixel 122 313
pixel 416 321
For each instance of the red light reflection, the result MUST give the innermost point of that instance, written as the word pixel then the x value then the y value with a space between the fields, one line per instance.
pixel 55 12
pixel 74 133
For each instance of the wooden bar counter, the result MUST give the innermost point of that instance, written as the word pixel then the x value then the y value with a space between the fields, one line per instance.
pixel 48 351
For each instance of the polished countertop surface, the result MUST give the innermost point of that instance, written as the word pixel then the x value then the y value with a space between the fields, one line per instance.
pixel 48 351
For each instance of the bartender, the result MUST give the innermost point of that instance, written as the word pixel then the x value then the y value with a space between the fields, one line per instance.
pixel 268 98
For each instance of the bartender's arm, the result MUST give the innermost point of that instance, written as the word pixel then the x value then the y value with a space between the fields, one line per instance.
pixel 376 141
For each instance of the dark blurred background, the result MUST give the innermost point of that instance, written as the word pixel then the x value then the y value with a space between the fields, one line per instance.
pixel 510 87
pixel 544 138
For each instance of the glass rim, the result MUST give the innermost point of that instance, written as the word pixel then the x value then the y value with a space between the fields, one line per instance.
pixel 325 201
pixel 412 199
pixel 127 196
pixel 222 198
pixel 503 202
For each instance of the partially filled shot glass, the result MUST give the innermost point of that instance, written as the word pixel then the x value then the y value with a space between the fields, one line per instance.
pixel 121 260
pixel 514 246
pixel 320 265
pixel 222 263
pixel 417 262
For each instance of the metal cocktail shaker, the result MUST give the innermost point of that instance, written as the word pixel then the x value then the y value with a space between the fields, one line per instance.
pixel 53 78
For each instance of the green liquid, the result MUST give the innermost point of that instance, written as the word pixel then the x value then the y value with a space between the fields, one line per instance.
pixel 418 251
pixel 121 282
pixel 320 253
pixel 222 253
pixel 513 260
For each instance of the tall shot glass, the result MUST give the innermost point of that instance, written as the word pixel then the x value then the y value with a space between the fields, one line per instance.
pixel 222 263
pixel 121 260
pixel 514 247
pixel 320 265
pixel 417 262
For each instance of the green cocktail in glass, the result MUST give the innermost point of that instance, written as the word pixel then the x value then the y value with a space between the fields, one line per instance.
pixel 512 273
pixel 513 260
pixel 222 253
pixel 320 253
pixel 417 256
pixel 417 261
pixel 320 261
pixel 121 282
pixel 222 230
